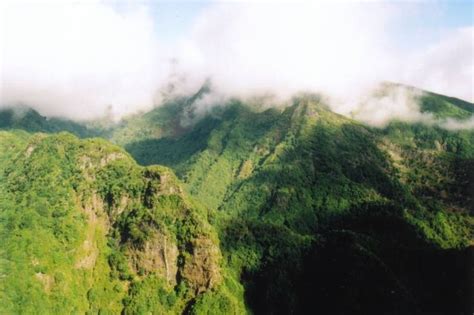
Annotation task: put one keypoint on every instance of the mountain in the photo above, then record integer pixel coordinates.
(440, 106)
(289, 209)
(85, 229)
(30, 120)
(295, 182)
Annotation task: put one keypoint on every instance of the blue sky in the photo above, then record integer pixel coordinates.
(425, 21)
(432, 20)
(174, 19)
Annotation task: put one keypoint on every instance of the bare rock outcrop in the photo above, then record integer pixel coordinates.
(159, 255)
(201, 265)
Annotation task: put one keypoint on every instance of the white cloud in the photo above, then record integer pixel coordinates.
(344, 50)
(289, 47)
(75, 59)
(396, 102)
(454, 124)
(446, 67)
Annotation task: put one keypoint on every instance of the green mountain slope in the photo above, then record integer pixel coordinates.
(440, 106)
(162, 121)
(284, 210)
(293, 182)
(30, 120)
(85, 229)
(444, 107)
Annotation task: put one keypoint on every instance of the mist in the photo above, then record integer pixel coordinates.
(77, 60)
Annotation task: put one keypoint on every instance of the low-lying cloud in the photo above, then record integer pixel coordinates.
(397, 103)
(401, 103)
(77, 59)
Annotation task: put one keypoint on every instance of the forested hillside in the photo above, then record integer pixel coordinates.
(294, 185)
(280, 210)
(85, 229)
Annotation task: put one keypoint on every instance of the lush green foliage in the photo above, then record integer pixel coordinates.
(42, 234)
(30, 120)
(286, 181)
(282, 210)
(78, 220)
(443, 107)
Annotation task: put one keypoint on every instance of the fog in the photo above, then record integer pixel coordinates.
(76, 59)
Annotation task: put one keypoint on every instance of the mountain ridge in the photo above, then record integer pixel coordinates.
(165, 115)
(271, 211)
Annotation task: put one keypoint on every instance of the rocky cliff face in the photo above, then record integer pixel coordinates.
(154, 225)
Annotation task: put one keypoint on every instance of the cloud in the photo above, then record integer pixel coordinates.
(289, 47)
(76, 59)
(454, 124)
(446, 67)
(341, 49)
(393, 103)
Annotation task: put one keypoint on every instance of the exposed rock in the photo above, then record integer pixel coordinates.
(96, 219)
(158, 255)
(29, 150)
(91, 252)
(159, 183)
(119, 207)
(201, 265)
(111, 157)
(46, 280)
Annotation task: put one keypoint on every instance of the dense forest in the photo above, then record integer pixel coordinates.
(242, 208)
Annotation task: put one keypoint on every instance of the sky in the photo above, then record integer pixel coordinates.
(77, 58)
(430, 19)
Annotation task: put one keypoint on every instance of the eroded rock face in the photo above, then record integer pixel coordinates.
(161, 182)
(111, 157)
(159, 255)
(195, 260)
(201, 265)
(97, 225)
(115, 209)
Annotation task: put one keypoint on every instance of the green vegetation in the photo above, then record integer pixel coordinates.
(85, 229)
(30, 120)
(444, 107)
(280, 210)
(285, 182)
